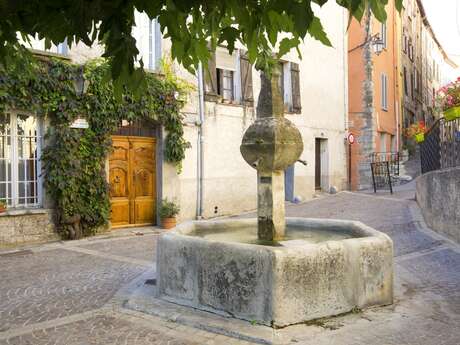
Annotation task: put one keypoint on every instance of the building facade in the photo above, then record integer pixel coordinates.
(215, 180)
(376, 130)
(408, 65)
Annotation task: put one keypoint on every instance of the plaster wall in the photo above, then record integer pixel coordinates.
(229, 183)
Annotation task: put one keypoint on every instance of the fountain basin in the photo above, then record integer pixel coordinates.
(202, 264)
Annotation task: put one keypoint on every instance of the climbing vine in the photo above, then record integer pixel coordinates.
(74, 159)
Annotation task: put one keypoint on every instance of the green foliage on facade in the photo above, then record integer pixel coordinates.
(74, 159)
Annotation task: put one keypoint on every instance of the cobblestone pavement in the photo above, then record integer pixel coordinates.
(67, 293)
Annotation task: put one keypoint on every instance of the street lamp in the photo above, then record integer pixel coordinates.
(79, 83)
(377, 44)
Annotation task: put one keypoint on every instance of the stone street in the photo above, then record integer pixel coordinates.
(68, 293)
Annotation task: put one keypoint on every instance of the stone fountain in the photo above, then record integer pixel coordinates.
(274, 270)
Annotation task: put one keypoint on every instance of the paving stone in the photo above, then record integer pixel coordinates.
(137, 247)
(51, 284)
(101, 330)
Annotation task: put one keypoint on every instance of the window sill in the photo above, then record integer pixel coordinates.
(23, 212)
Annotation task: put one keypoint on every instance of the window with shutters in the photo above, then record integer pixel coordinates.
(406, 91)
(20, 160)
(290, 87)
(384, 91)
(228, 78)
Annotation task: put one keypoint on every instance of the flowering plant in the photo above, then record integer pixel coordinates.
(448, 96)
(415, 129)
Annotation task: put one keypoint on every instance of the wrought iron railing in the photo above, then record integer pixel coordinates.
(441, 147)
(385, 169)
(392, 158)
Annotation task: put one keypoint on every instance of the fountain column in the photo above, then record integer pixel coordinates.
(270, 145)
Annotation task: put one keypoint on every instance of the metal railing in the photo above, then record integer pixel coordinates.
(392, 158)
(385, 169)
(441, 147)
(381, 176)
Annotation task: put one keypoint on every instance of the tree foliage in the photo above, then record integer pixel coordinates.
(190, 24)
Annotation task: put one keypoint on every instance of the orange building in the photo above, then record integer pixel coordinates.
(374, 117)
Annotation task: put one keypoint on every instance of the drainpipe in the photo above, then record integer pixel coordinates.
(200, 144)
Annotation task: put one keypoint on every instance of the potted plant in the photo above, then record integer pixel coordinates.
(168, 212)
(448, 100)
(3, 206)
(416, 131)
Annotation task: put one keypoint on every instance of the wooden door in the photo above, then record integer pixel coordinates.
(132, 181)
(317, 164)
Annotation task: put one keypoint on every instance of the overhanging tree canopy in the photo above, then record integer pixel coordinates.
(190, 24)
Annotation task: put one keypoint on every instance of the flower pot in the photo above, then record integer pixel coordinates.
(168, 223)
(452, 113)
(420, 137)
(2, 209)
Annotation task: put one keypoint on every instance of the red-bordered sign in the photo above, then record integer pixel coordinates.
(351, 138)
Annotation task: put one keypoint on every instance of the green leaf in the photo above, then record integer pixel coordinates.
(317, 32)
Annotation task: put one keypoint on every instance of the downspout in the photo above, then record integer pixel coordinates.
(396, 71)
(200, 144)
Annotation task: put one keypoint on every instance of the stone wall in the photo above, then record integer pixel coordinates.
(438, 194)
(26, 226)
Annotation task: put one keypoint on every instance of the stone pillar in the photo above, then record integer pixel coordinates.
(270, 206)
(270, 145)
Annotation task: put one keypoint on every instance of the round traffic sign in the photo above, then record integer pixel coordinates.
(351, 138)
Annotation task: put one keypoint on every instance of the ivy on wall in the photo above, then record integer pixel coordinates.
(74, 159)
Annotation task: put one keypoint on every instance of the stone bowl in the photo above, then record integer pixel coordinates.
(276, 285)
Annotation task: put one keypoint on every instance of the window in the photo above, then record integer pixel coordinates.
(384, 91)
(154, 44)
(19, 160)
(63, 48)
(383, 34)
(406, 92)
(226, 68)
(229, 77)
(290, 86)
(393, 143)
(225, 84)
(383, 142)
(147, 33)
(412, 86)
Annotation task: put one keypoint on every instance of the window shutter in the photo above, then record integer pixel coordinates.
(295, 84)
(247, 96)
(210, 79)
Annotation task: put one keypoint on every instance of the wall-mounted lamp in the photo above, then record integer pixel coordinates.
(80, 83)
(377, 44)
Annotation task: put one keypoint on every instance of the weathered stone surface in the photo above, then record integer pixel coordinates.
(270, 206)
(272, 142)
(276, 285)
(438, 195)
(26, 226)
